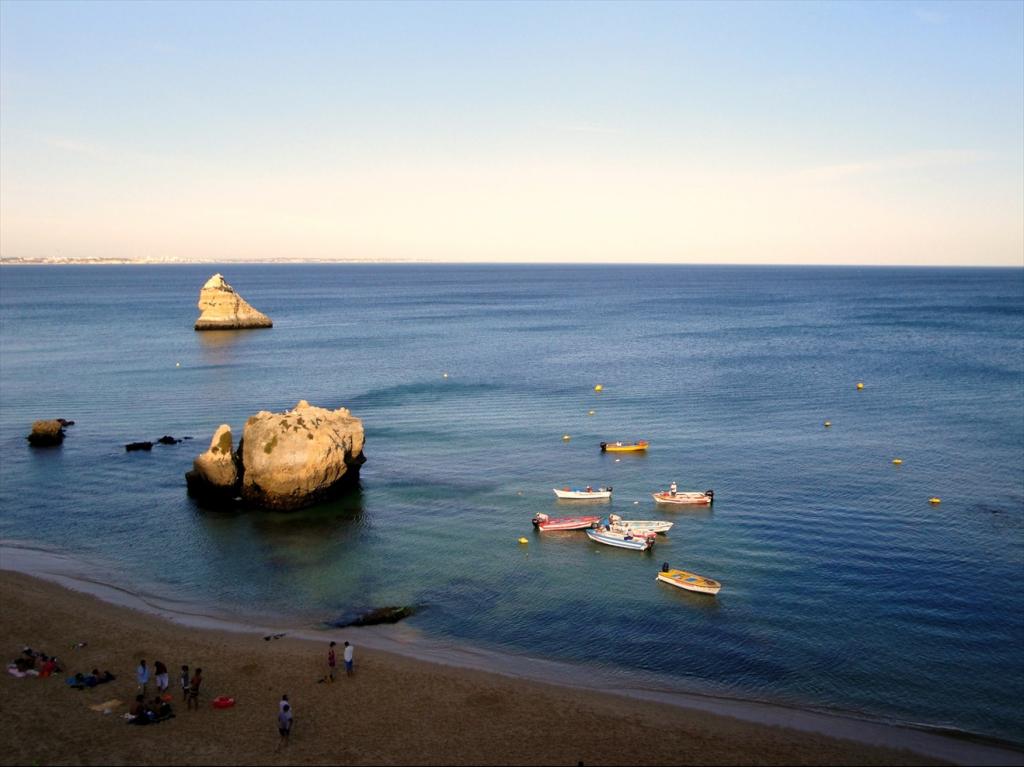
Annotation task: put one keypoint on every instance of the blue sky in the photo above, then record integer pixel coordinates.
(669, 132)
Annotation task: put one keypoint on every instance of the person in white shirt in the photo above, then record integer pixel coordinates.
(284, 724)
(348, 658)
(672, 488)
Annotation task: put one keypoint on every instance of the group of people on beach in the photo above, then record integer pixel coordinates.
(33, 663)
(160, 707)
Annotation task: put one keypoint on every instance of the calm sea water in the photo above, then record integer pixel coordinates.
(843, 587)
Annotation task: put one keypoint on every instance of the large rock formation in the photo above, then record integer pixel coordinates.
(223, 309)
(284, 460)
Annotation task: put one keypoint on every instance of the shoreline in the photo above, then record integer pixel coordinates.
(403, 645)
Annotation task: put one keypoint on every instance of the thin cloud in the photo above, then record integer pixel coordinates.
(910, 161)
(589, 128)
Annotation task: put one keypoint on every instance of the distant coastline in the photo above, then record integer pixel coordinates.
(13, 261)
(187, 262)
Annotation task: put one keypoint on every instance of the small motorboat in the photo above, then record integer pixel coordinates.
(687, 580)
(640, 541)
(583, 494)
(624, 447)
(639, 526)
(682, 499)
(544, 522)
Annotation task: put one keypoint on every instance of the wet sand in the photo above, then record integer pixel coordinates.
(393, 710)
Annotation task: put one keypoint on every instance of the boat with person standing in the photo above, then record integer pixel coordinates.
(670, 498)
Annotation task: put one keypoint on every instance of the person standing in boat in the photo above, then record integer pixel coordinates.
(672, 488)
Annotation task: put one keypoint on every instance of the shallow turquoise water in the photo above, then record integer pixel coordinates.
(843, 587)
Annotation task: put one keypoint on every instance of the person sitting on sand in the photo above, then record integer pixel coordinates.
(49, 666)
(138, 713)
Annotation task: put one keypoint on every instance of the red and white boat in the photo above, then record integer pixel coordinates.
(682, 499)
(544, 522)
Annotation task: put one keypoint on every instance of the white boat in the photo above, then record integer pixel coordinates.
(684, 499)
(690, 581)
(583, 494)
(639, 525)
(639, 541)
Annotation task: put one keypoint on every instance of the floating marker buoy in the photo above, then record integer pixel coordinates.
(897, 461)
(617, 460)
(444, 375)
(566, 437)
(828, 424)
(177, 364)
(860, 385)
(598, 388)
(590, 412)
(523, 540)
(934, 500)
(636, 503)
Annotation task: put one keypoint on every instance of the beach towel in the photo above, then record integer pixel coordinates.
(107, 706)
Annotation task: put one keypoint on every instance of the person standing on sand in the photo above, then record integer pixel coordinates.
(193, 689)
(184, 679)
(160, 671)
(348, 658)
(142, 676)
(331, 662)
(284, 724)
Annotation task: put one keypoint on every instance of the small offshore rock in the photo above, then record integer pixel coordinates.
(167, 440)
(65, 422)
(46, 433)
(133, 446)
(223, 309)
(216, 474)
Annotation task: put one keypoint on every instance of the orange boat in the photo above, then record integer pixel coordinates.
(624, 447)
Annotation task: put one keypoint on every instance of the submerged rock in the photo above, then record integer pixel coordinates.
(223, 309)
(284, 461)
(46, 433)
(168, 440)
(133, 446)
(376, 616)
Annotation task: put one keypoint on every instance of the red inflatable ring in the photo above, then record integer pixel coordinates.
(223, 702)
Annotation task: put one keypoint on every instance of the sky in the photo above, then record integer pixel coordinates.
(670, 132)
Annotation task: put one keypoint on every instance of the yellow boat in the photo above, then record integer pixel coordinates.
(624, 447)
(689, 581)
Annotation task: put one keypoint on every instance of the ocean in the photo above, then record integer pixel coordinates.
(844, 589)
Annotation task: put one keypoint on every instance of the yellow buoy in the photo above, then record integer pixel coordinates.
(523, 540)
(897, 461)
(590, 412)
(934, 500)
(598, 388)
(860, 385)
(566, 437)
(828, 424)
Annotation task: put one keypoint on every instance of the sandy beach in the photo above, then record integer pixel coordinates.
(393, 710)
